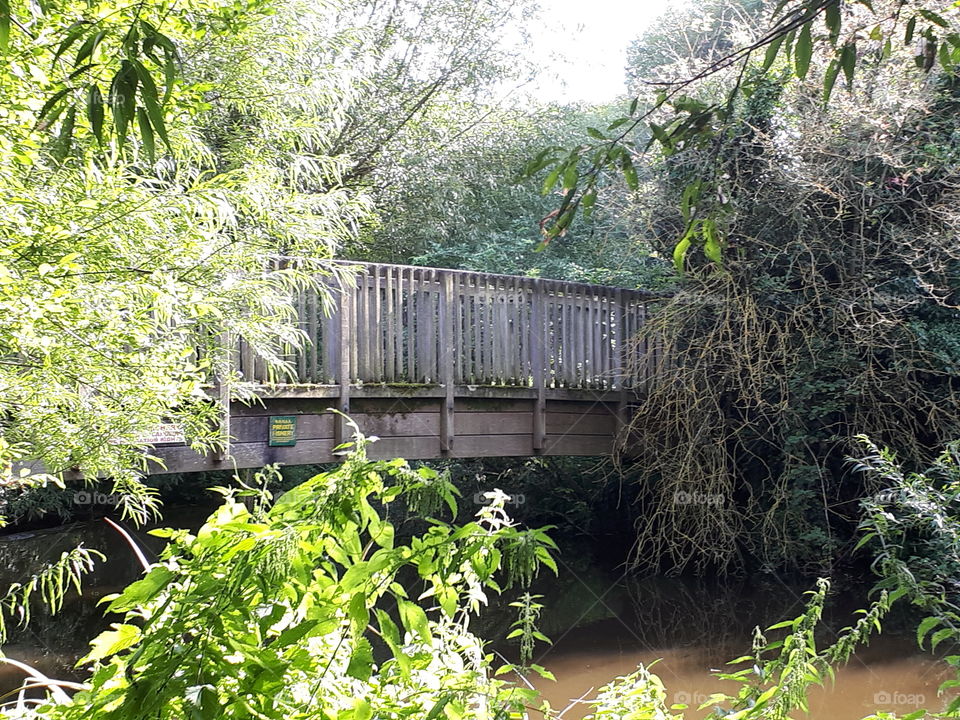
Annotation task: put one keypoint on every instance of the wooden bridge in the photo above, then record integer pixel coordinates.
(441, 363)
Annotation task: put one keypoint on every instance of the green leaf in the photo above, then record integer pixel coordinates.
(587, 203)
(122, 99)
(773, 49)
(945, 57)
(939, 636)
(75, 31)
(358, 613)
(156, 118)
(570, 176)
(933, 17)
(848, 61)
(146, 135)
(4, 25)
(61, 147)
(437, 708)
(803, 52)
(712, 247)
(680, 253)
(138, 593)
(361, 660)
(110, 642)
(362, 709)
(925, 626)
(629, 171)
(88, 47)
(414, 619)
(595, 134)
(908, 33)
(829, 80)
(833, 20)
(551, 180)
(95, 111)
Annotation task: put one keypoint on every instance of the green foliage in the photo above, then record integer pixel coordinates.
(52, 582)
(525, 626)
(123, 274)
(310, 607)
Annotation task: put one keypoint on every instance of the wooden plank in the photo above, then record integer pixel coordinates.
(538, 334)
(346, 356)
(422, 333)
(420, 424)
(244, 455)
(447, 349)
(183, 459)
(583, 445)
(312, 330)
(497, 423)
(569, 372)
(581, 424)
(362, 336)
(223, 388)
(310, 345)
(390, 356)
(596, 333)
(392, 406)
(411, 365)
(309, 427)
(466, 336)
(580, 407)
(373, 323)
(622, 360)
(468, 446)
(465, 405)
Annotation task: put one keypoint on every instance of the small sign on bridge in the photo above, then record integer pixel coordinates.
(283, 430)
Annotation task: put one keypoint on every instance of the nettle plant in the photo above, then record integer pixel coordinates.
(310, 607)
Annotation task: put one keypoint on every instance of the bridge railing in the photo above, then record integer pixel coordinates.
(399, 324)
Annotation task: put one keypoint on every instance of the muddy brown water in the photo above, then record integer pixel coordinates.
(603, 625)
(888, 675)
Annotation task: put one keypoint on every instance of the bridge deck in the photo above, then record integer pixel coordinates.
(441, 363)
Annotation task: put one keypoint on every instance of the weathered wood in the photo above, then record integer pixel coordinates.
(224, 391)
(463, 342)
(448, 342)
(538, 336)
(344, 374)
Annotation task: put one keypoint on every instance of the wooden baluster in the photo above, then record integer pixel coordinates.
(347, 346)
(467, 335)
(505, 344)
(538, 361)
(596, 333)
(623, 350)
(411, 340)
(447, 338)
(390, 357)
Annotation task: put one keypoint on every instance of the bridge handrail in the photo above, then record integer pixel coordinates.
(414, 325)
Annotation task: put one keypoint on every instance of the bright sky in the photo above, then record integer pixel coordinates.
(583, 43)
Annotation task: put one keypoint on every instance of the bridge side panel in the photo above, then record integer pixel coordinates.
(406, 427)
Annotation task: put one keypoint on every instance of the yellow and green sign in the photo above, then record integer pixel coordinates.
(283, 430)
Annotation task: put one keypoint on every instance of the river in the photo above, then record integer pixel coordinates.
(603, 624)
